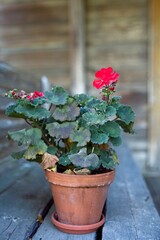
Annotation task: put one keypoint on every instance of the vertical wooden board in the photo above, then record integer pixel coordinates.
(117, 36)
(153, 164)
(130, 212)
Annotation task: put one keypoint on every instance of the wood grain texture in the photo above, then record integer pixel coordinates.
(130, 210)
(48, 231)
(117, 36)
(20, 200)
(35, 37)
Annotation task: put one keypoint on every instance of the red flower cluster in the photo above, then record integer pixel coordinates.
(23, 95)
(35, 94)
(105, 77)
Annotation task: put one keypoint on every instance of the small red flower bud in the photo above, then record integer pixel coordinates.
(111, 88)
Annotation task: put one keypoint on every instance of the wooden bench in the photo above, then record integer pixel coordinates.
(26, 203)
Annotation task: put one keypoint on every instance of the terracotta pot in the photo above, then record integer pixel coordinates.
(79, 199)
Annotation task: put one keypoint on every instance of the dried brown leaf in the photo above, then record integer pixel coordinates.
(49, 161)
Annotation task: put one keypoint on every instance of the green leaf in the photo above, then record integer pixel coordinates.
(81, 98)
(111, 128)
(82, 136)
(106, 160)
(26, 137)
(10, 111)
(58, 96)
(116, 141)
(93, 118)
(116, 98)
(82, 160)
(19, 136)
(36, 101)
(32, 151)
(128, 128)
(64, 160)
(115, 157)
(126, 114)
(93, 102)
(115, 102)
(61, 130)
(67, 112)
(110, 111)
(52, 150)
(32, 112)
(98, 137)
(18, 155)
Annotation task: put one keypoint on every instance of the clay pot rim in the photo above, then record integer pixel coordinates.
(76, 227)
(81, 176)
(68, 180)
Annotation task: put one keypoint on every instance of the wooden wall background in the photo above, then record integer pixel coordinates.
(35, 36)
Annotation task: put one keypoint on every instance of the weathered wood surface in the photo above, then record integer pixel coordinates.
(130, 212)
(48, 231)
(34, 36)
(24, 194)
(153, 184)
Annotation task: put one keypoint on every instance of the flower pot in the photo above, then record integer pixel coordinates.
(79, 199)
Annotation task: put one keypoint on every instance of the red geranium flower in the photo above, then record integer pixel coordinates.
(105, 77)
(35, 94)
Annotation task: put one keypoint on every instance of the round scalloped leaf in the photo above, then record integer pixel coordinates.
(83, 160)
(58, 96)
(64, 160)
(97, 104)
(126, 127)
(36, 101)
(67, 112)
(126, 114)
(61, 130)
(107, 161)
(52, 150)
(110, 111)
(26, 137)
(111, 128)
(10, 111)
(32, 112)
(116, 141)
(93, 118)
(81, 98)
(82, 136)
(99, 138)
(32, 151)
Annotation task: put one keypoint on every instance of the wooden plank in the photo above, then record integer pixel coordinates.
(48, 231)
(153, 185)
(24, 194)
(130, 210)
(109, 22)
(78, 58)
(153, 166)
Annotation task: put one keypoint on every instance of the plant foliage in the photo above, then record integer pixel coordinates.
(80, 130)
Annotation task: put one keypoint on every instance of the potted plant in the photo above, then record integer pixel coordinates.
(74, 141)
